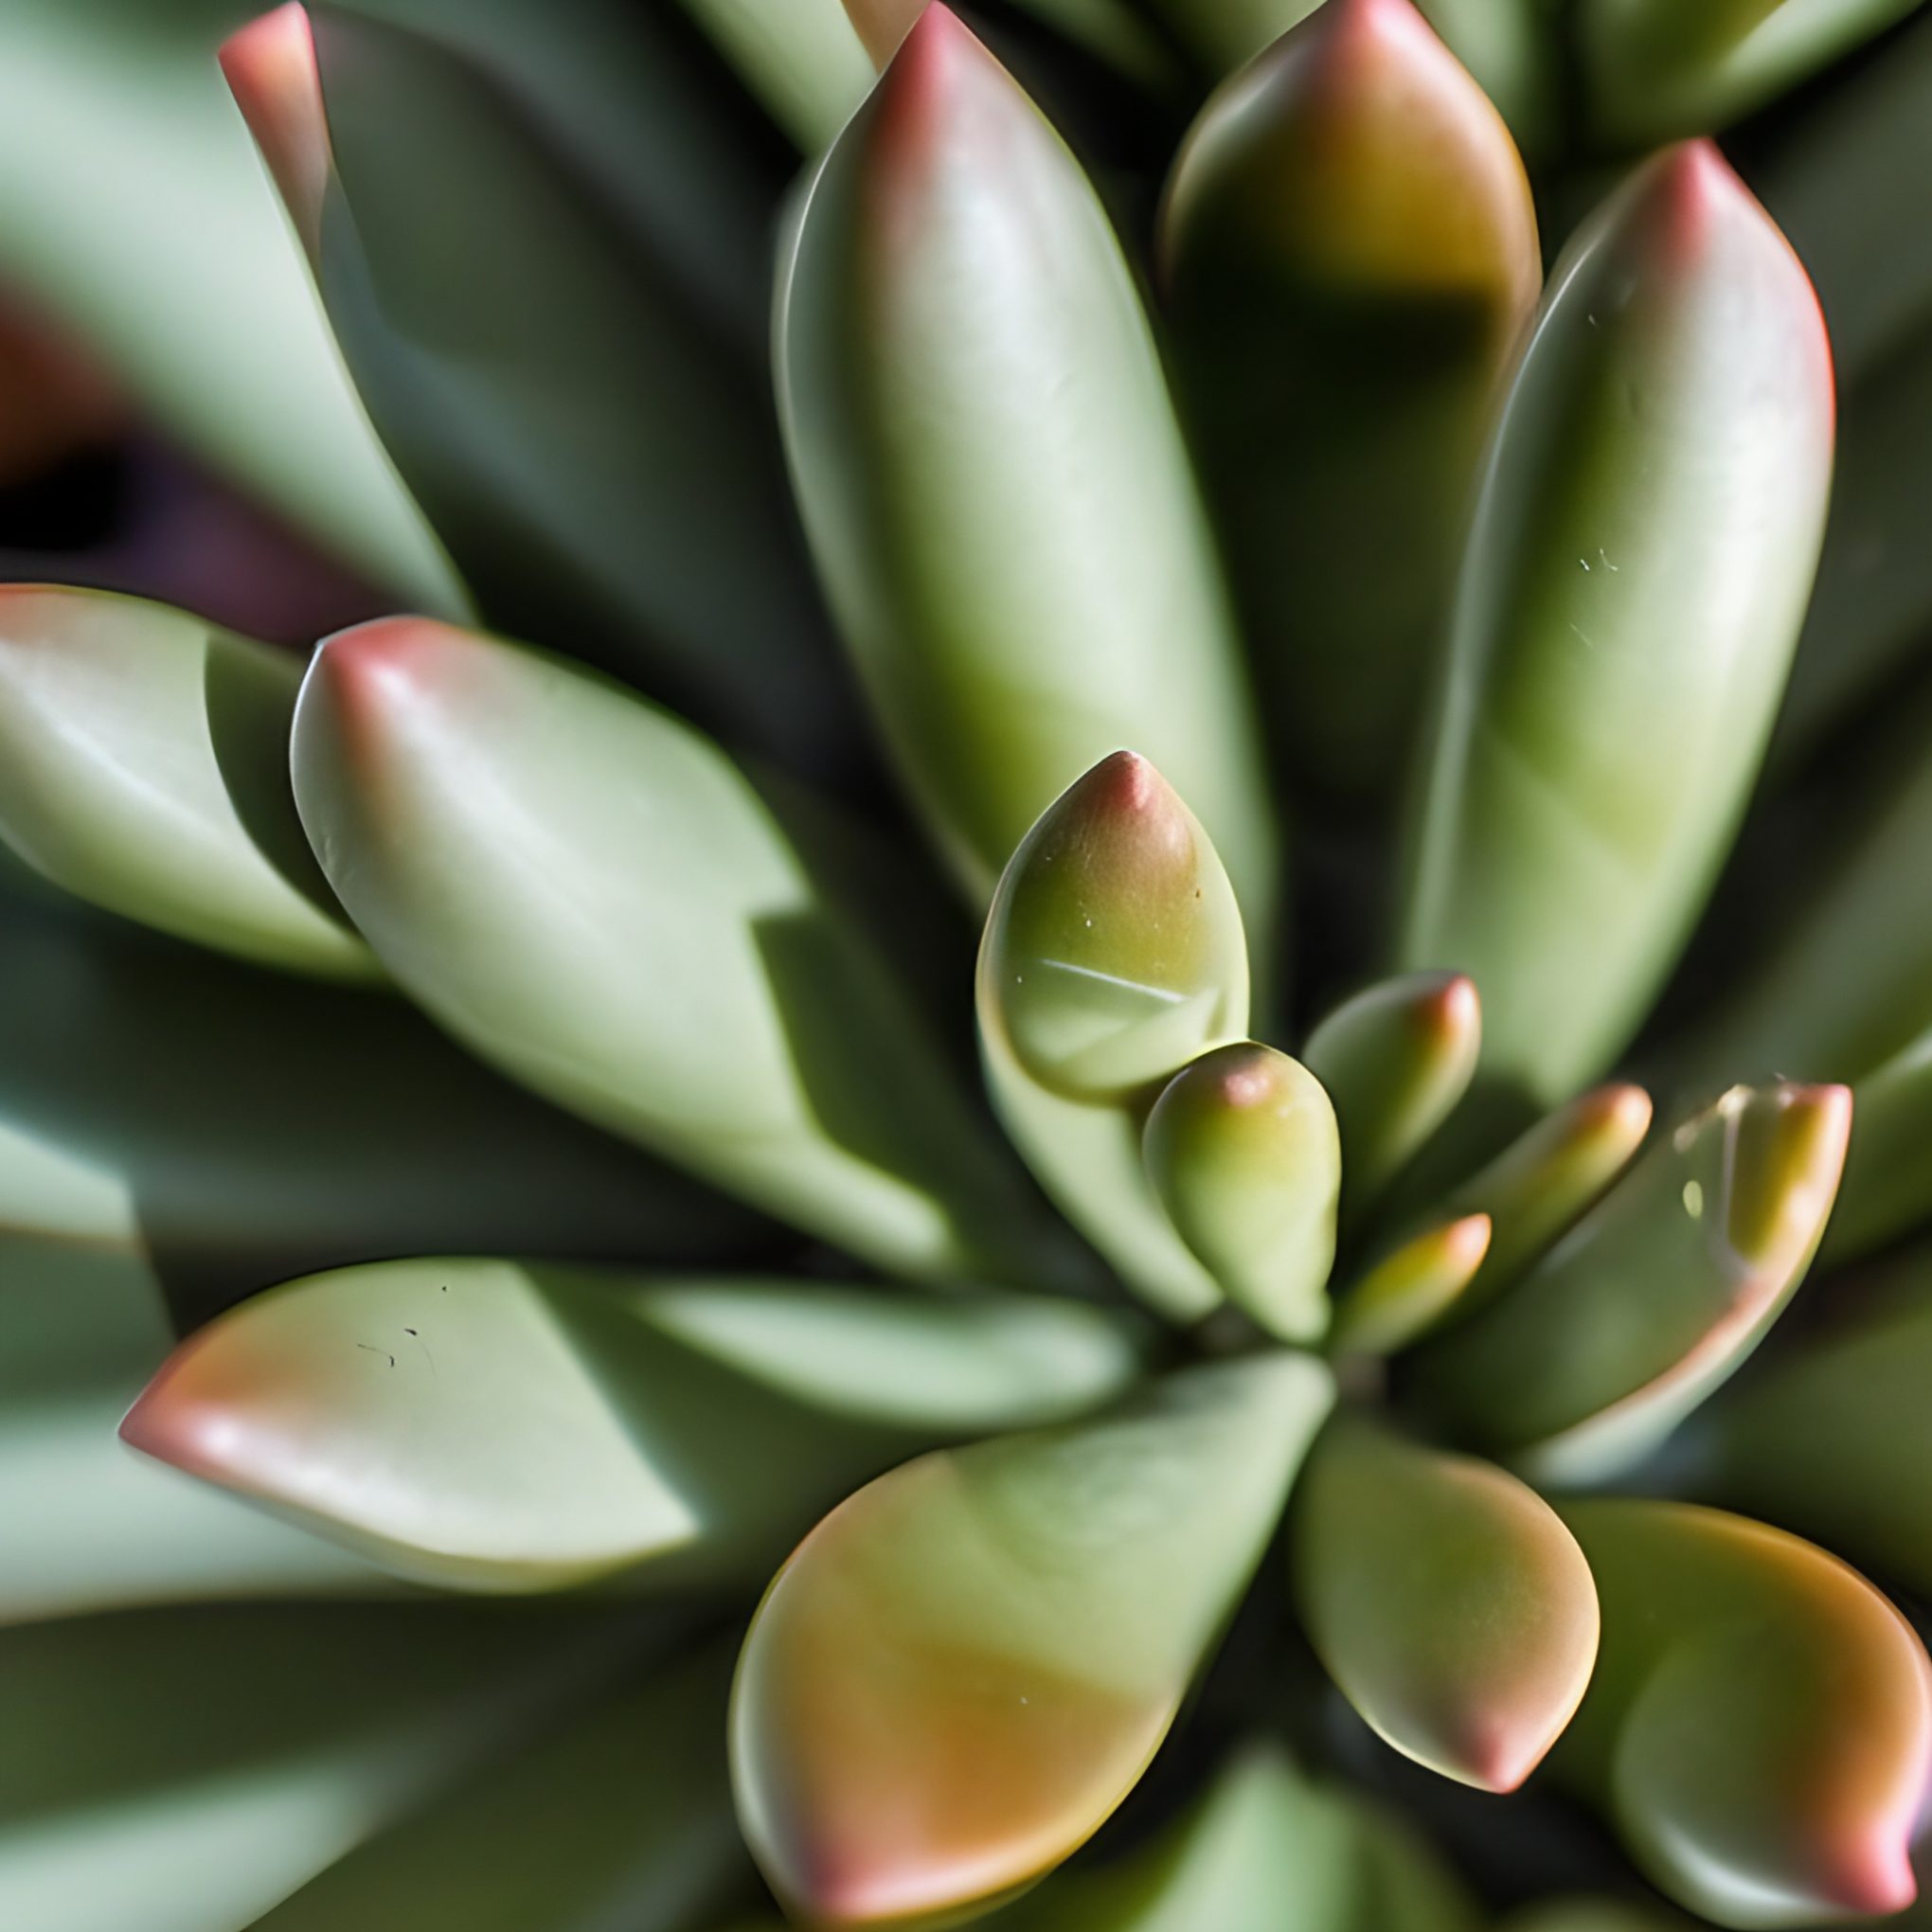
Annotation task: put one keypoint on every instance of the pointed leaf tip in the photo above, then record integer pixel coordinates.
(271, 69)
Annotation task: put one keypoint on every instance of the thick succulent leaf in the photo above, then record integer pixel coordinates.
(1835, 1439)
(133, 211)
(144, 766)
(182, 1770)
(966, 1667)
(1643, 545)
(1264, 1850)
(1112, 955)
(1447, 1599)
(992, 476)
(804, 60)
(624, 1808)
(576, 420)
(1395, 1058)
(1543, 1182)
(1760, 1724)
(1412, 1290)
(1655, 69)
(1350, 253)
(1655, 1297)
(506, 1426)
(588, 894)
(1243, 1153)
(1888, 1184)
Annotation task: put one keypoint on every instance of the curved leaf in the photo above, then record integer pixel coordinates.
(804, 60)
(965, 1668)
(1412, 1289)
(1643, 545)
(1888, 1184)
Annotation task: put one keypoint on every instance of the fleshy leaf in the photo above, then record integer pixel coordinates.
(966, 1667)
(1395, 1058)
(993, 477)
(1242, 1151)
(1656, 69)
(514, 1426)
(1888, 1185)
(1412, 1289)
(1760, 1724)
(569, 403)
(1350, 254)
(1447, 1599)
(1112, 955)
(144, 766)
(588, 894)
(1646, 530)
(1264, 1850)
(804, 60)
(1655, 1295)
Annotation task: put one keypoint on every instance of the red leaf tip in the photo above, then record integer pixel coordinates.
(271, 69)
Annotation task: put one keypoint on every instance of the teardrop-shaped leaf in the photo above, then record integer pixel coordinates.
(1655, 1295)
(592, 897)
(966, 1667)
(1350, 253)
(1112, 955)
(1644, 540)
(1447, 1599)
(1242, 1151)
(1395, 1058)
(1760, 1724)
(992, 476)
(804, 60)
(512, 1426)
(1834, 1440)
(579, 421)
(1264, 1850)
(1412, 1290)
(1656, 69)
(144, 766)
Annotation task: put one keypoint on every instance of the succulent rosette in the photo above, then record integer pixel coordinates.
(1134, 855)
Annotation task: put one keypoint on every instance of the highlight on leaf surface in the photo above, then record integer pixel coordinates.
(967, 1666)
(1349, 253)
(593, 898)
(1655, 1295)
(1646, 529)
(1447, 1599)
(1760, 1725)
(992, 476)
(1412, 1289)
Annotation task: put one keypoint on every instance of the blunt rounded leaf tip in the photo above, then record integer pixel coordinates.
(1413, 1288)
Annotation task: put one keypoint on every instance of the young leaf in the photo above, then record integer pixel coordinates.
(1412, 1289)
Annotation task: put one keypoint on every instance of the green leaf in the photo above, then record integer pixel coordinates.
(992, 476)
(590, 896)
(1446, 1598)
(144, 767)
(501, 1425)
(1112, 955)
(566, 401)
(1655, 1295)
(1395, 1058)
(1888, 1184)
(802, 61)
(1412, 1290)
(1760, 1724)
(1643, 547)
(1224, 34)
(1655, 69)
(1350, 254)
(1242, 1151)
(1264, 1850)
(964, 1670)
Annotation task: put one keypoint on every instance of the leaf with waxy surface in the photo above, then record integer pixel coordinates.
(1395, 1058)
(514, 1426)
(561, 380)
(1112, 955)
(1447, 1599)
(1633, 583)
(1760, 1724)
(1412, 1289)
(966, 1667)
(588, 894)
(992, 476)
(144, 767)
(1655, 1297)
(1242, 1151)
(1350, 253)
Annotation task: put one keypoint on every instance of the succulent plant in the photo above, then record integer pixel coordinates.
(492, 1172)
